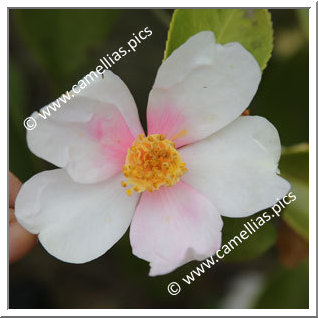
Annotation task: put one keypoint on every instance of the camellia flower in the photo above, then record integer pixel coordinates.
(200, 160)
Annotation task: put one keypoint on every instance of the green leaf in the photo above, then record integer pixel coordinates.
(286, 288)
(294, 167)
(255, 245)
(63, 40)
(251, 28)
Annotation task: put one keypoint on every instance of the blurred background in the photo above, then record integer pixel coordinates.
(50, 50)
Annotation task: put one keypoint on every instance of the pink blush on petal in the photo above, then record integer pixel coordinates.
(112, 135)
(164, 120)
(174, 225)
(169, 121)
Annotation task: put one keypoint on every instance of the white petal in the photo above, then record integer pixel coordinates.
(200, 88)
(90, 134)
(76, 222)
(173, 226)
(236, 168)
(110, 89)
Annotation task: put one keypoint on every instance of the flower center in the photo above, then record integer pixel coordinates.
(152, 162)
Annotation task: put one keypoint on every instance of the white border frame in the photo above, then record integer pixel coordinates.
(312, 163)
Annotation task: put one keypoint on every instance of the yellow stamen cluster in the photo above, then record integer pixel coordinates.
(152, 162)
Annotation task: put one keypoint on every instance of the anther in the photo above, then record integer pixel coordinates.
(152, 162)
